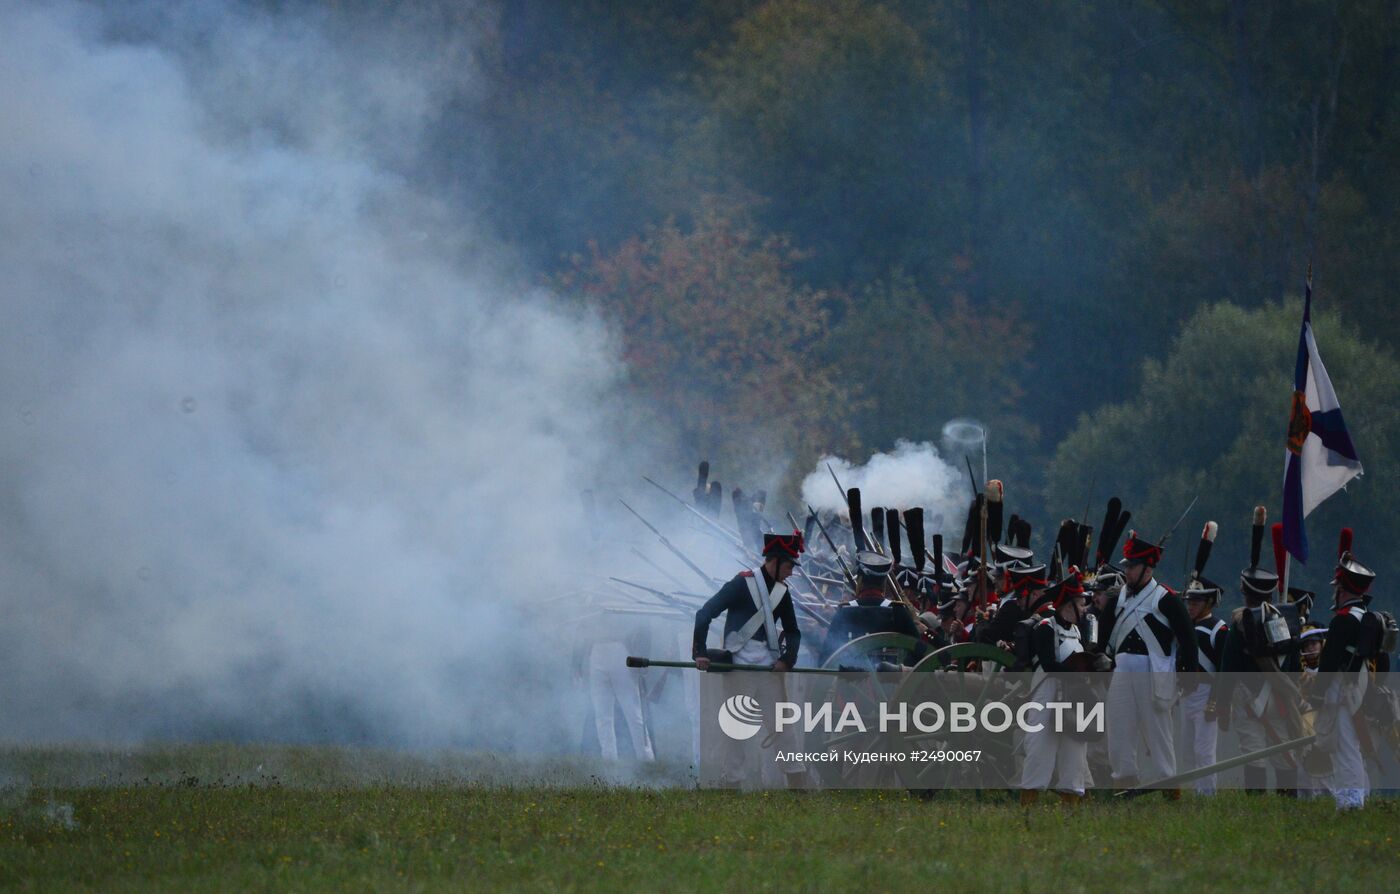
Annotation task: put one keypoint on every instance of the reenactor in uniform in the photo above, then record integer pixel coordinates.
(614, 689)
(1345, 655)
(1200, 733)
(870, 612)
(1150, 636)
(1261, 711)
(1051, 757)
(1311, 641)
(1103, 592)
(956, 620)
(1025, 585)
(755, 603)
(1310, 645)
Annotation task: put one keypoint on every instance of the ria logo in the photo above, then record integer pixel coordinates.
(740, 717)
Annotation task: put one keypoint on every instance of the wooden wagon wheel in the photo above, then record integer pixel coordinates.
(954, 682)
(864, 687)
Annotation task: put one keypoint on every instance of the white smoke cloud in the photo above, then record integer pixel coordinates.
(914, 474)
(285, 456)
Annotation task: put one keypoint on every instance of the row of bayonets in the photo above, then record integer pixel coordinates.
(984, 526)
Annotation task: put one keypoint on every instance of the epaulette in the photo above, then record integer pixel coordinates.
(746, 574)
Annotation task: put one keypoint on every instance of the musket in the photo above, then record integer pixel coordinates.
(984, 578)
(717, 666)
(655, 592)
(1227, 764)
(662, 571)
(803, 571)
(709, 581)
(741, 553)
(850, 578)
(658, 612)
(732, 535)
(837, 480)
(1088, 505)
(1163, 542)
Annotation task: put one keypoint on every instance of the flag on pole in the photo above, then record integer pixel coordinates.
(1321, 458)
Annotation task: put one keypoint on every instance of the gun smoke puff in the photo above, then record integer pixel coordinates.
(283, 459)
(913, 474)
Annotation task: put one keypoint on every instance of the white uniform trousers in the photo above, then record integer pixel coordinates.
(1251, 730)
(611, 682)
(1200, 736)
(1348, 783)
(1052, 758)
(1133, 714)
(752, 764)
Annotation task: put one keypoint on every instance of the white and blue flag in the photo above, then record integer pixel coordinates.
(1321, 458)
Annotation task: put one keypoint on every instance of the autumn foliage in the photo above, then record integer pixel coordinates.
(715, 329)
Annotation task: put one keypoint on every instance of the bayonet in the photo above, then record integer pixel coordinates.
(709, 581)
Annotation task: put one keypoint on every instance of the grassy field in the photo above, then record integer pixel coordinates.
(337, 820)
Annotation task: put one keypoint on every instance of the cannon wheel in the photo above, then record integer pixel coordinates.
(948, 657)
(858, 650)
(996, 764)
(867, 690)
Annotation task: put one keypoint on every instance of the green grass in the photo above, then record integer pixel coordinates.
(330, 833)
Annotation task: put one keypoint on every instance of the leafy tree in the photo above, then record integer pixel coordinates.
(922, 361)
(714, 329)
(1209, 421)
(818, 106)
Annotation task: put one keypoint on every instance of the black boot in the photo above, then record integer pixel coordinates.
(1256, 780)
(1286, 781)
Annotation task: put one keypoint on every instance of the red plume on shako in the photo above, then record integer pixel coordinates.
(1354, 577)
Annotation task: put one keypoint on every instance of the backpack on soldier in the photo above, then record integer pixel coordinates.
(1379, 634)
(1021, 647)
(1266, 631)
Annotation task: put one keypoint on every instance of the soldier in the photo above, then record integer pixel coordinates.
(1310, 645)
(1258, 638)
(1103, 594)
(1200, 733)
(1055, 757)
(907, 579)
(1150, 637)
(614, 689)
(955, 621)
(1312, 773)
(1025, 593)
(1345, 655)
(755, 602)
(870, 612)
